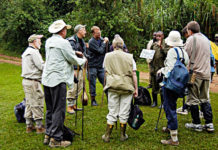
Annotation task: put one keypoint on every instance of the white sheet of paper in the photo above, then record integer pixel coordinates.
(147, 53)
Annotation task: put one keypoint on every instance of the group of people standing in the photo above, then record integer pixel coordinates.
(65, 60)
(196, 55)
(115, 68)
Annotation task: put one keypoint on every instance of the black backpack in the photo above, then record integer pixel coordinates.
(19, 110)
(135, 117)
(144, 97)
(68, 134)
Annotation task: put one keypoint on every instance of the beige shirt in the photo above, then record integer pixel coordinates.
(202, 58)
(32, 64)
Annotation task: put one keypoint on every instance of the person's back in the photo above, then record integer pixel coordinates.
(202, 55)
(119, 68)
(200, 78)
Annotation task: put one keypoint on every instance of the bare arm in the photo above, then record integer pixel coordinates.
(135, 94)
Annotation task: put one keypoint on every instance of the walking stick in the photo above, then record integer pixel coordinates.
(77, 93)
(161, 106)
(102, 97)
(84, 98)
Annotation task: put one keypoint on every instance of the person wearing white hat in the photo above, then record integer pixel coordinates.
(32, 66)
(170, 97)
(58, 71)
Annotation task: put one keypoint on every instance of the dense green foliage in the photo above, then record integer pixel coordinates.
(14, 137)
(134, 20)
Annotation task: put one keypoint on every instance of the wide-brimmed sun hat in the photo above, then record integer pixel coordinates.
(58, 26)
(174, 39)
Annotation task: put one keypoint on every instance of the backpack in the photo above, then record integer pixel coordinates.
(19, 110)
(135, 117)
(68, 134)
(178, 77)
(143, 97)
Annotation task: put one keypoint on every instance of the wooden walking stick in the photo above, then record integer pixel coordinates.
(77, 88)
(102, 97)
(84, 98)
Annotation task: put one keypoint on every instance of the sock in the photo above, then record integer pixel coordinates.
(39, 123)
(173, 134)
(29, 122)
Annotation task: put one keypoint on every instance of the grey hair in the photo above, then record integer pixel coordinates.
(118, 43)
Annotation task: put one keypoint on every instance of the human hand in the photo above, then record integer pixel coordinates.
(79, 54)
(106, 39)
(159, 72)
(87, 45)
(135, 94)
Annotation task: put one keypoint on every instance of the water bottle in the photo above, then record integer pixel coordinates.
(135, 121)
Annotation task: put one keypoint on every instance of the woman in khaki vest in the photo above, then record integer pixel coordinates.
(121, 83)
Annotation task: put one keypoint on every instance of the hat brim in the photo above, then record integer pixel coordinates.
(51, 29)
(170, 43)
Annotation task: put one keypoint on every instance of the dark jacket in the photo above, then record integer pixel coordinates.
(74, 42)
(96, 52)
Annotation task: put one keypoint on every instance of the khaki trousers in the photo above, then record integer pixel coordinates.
(119, 106)
(198, 92)
(34, 99)
(71, 93)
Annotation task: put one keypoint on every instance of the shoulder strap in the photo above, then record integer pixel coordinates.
(183, 57)
(178, 58)
(193, 53)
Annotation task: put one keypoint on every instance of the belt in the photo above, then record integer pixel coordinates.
(32, 79)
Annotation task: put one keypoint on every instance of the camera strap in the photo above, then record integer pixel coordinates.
(193, 54)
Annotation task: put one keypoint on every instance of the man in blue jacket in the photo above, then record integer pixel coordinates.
(96, 52)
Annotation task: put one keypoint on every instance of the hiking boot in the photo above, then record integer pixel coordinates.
(94, 103)
(70, 110)
(123, 135)
(170, 142)
(106, 136)
(76, 108)
(181, 111)
(54, 143)
(30, 129)
(40, 130)
(209, 127)
(46, 140)
(196, 127)
(166, 130)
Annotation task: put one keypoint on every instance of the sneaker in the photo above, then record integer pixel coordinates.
(181, 111)
(209, 127)
(30, 129)
(94, 103)
(170, 142)
(196, 127)
(54, 143)
(166, 130)
(46, 140)
(70, 110)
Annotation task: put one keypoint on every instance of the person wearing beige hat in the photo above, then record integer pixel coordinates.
(79, 45)
(169, 97)
(58, 72)
(32, 66)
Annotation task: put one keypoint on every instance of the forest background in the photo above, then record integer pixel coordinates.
(134, 20)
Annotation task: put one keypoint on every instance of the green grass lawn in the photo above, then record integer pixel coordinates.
(13, 135)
